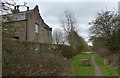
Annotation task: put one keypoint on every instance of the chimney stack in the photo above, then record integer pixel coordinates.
(17, 7)
(14, 7)
(27, 8)
(17, 10)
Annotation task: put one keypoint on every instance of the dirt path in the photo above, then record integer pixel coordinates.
(96, 67)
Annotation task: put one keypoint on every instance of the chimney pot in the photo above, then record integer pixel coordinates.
(14, 7)
(27, 8)
(17, 7)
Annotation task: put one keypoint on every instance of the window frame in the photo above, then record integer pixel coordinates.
(36, 28)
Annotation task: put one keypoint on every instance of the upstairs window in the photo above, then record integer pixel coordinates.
(36, 28)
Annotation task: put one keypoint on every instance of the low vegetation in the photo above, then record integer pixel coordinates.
(22, 60)
(81, 70)
(63, 50)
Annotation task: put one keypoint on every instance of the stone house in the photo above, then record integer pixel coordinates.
(27, 25)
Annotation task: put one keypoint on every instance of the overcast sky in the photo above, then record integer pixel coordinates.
(84, 11)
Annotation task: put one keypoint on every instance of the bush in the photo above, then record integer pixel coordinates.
(66, 51)
(114, 60)
(20, 59)
(103, 52)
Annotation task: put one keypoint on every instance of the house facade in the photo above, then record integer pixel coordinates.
(27, 25)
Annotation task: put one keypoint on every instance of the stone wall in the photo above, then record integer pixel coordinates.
(44, 35)
(16, 28)
(24, 46)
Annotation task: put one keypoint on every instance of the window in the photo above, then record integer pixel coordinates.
(42, 28)
(36, 28)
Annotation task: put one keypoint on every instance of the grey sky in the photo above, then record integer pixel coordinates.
(84, 11)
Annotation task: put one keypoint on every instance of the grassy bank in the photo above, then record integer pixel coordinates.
(79, 70)
(106, 69)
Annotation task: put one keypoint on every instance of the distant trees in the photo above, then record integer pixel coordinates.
(70, 24)
(78, 43)
(58, 37)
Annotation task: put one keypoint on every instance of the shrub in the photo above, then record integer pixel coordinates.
(66, 51)
(114, 60)
(20, 59)
(103, 52)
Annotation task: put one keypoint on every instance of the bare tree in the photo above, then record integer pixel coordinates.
(69, 22)
(7, 7)
(58, 37)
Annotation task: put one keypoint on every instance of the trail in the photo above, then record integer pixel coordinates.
(96, 68)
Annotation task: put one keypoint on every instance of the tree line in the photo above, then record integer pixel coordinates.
(105, 35)
(69, 23)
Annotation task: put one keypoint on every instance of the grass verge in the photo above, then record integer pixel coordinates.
(79, 70)
(106, 69)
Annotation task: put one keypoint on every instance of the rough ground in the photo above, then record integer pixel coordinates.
(96, 67)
